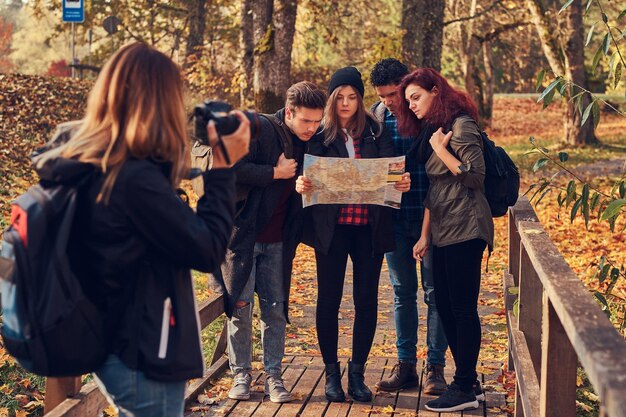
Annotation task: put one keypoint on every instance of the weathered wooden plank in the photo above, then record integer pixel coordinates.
(522, 211)
(257, 394)
(304, 388)
(527, 382)
(210, 310)
(88, 402)
(220, 347)
(514, 245)
(340, 409)
(511, 320)
(378, 370)
(558, 367)
(449, 376)
(490, 381)
(198, 385)
(317, 404)
(424, 398)
(530, 306)
(374, 371)
(59, 389)
(519, 407)
(408, 400)
(600, 349)
(291, 374)
(246, 408)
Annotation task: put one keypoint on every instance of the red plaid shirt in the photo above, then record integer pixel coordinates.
(354, 214)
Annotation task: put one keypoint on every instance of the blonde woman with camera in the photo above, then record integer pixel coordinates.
(134, 241)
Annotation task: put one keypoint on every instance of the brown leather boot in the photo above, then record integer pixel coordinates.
(403, 375)
(435, 383)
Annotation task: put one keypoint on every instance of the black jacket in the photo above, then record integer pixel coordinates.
(320, 219)
(134, 255)
(255, 174)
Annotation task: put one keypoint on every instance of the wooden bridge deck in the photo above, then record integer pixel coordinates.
(304, 377)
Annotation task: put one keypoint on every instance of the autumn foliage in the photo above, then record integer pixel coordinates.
(6, 35)
(59, 69)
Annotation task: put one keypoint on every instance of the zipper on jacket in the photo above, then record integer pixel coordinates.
(165, 327)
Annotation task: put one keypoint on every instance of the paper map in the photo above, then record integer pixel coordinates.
(353, 181)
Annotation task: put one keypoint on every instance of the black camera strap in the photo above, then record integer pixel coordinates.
(223, 150)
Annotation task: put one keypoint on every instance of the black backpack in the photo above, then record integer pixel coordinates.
(501, 178)
(50, 327)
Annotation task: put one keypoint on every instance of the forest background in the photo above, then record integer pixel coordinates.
(508, 54)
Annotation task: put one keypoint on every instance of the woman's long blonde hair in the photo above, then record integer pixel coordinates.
(135, 110)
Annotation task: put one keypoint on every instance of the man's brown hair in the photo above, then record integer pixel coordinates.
(305, 94)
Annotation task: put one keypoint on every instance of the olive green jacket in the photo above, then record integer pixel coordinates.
(458, 208)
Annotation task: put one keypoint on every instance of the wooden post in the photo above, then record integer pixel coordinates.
(58, 390)
(220, 347)
(519, 408)
(514, 247)
(530, 308)
(558, 367)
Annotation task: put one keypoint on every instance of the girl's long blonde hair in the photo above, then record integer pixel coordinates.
(135, 110)
(331, 125)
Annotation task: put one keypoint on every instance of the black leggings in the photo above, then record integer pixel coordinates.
(355, 241)
(457, 284)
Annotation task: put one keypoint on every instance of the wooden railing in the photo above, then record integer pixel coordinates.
(65, 397)
(559, 325)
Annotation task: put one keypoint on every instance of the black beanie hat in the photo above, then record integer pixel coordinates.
(346, 76)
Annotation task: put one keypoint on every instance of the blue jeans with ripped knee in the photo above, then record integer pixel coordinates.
(266, 280)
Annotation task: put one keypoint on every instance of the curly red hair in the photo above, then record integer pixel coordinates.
(448, 103)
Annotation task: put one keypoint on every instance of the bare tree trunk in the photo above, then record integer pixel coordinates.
(273, 30)
(422, 27)
(575, 134)
(197, 23)
(566, 56)
(413, 25)
(544, 21)
(433, 34)
(487, 107)
(246, 95)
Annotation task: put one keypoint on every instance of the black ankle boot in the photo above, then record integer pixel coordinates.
(333, 390)
(356, 385)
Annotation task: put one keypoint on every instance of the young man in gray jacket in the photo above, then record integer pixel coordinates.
(385, 77)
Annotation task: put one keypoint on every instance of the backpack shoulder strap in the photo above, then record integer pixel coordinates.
(283, 132)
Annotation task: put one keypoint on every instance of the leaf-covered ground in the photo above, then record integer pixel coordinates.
(30, 108)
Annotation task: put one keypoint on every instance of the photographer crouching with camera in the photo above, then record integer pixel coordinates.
(264, 240)
(134, 240)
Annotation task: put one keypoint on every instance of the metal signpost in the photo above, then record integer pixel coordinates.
(74, 12)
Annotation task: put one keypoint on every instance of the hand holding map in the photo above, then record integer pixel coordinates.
(352, 181)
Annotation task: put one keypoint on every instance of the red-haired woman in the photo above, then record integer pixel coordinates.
(457, 216)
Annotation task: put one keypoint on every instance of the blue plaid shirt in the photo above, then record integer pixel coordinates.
(412, 206)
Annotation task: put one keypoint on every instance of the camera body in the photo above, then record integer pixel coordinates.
(225, 123)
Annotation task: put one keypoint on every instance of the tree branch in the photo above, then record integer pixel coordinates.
(494, 33)
(482, 12)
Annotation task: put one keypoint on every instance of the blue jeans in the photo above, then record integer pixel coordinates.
(403, 276)
(134, 395)
(267, 280)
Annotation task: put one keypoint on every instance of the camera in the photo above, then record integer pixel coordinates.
(225, 123)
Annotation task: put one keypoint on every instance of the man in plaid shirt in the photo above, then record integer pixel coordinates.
(385, 77)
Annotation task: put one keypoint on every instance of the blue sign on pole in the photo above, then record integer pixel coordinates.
(74, 11)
